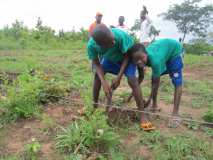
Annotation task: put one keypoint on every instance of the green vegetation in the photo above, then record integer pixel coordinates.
(31, 150)
(35, 76)
(18, 36)
(92, 132)
(178, 147)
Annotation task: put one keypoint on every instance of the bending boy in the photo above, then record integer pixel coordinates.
(108, 50)
(164, 57)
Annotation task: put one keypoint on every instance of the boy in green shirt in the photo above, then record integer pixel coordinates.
(164, 57)
(108, 49)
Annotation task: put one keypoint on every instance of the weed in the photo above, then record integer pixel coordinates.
(208, 116)
(22, 98)
(151, 139)
(193, 126)
(184, 147)
(86, 134)
(32, 150)
(208, 131)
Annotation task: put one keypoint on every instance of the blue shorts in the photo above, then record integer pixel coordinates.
(114, 68)
(174, 69)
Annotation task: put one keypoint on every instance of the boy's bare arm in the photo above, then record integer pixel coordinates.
(100, 72)
(116, 82)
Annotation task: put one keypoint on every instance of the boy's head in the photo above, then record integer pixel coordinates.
(121, 20)
(98, 17)
(138, 55)
(103, 36)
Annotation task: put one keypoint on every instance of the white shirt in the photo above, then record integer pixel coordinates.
(145, 30)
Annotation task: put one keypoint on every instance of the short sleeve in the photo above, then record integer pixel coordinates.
(156, 71)
(91, 51)
(126, 42)
(158, 68)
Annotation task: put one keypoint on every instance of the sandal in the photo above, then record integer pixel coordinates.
(174, 122)
(147, 126)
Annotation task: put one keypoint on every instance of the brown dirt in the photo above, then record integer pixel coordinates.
(199, 73)
(23, 131)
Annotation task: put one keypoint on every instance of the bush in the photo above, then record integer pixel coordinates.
(41, 37)
(25, 95)
(198, 47)
(22, 98)
(208, 116)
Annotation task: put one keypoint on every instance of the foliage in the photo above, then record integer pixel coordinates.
(208, 116)
(190, 18)
(18, 36)
(22, 98)
(198, 46)
(177, 147)
(31, 150)
(153, 31)
(25, 95)
(85, 134)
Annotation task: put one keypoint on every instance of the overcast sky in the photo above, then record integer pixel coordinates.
(67, 14)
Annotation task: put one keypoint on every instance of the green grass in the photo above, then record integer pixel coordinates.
(70, 70)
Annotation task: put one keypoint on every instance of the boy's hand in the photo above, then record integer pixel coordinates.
(107, 89)
(115, 83)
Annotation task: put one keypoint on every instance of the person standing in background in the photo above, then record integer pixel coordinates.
(146, 24)
(98, 20)
(121, 24)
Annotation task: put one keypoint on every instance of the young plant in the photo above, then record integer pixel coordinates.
(32, 150)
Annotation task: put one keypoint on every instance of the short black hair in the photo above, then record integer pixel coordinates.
(101, 31)
(137, 47)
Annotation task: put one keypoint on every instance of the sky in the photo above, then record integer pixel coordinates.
(67, 14)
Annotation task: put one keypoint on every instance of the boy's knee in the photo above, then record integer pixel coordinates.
(133, 82)
(96, 77)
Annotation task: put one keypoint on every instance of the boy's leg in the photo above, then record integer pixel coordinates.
(175, 74)
(136, 91)
(177, 98)
(130, 73)
(175, 67)
(96, 89)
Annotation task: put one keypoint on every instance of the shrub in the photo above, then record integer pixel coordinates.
(198, 47)
(22, 98)
(208, 116)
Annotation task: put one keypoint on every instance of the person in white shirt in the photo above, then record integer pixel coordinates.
(146, 24)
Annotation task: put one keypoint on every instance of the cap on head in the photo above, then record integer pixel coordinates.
(99, 14)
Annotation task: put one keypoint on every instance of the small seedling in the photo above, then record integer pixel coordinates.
(31, 150)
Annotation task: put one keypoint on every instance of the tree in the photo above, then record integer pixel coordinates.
(153, 31)
(190, 18)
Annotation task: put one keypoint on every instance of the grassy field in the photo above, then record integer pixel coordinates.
(37, 124)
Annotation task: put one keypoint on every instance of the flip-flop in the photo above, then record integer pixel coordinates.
(174, 122)
(147, 126)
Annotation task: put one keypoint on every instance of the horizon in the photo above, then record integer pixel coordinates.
(28, 12)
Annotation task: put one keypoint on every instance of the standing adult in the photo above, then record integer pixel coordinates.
(98, 19)
(121, 24)
(146, 24)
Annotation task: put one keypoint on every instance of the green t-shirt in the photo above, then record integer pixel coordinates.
(160, 52)
(123, 42)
